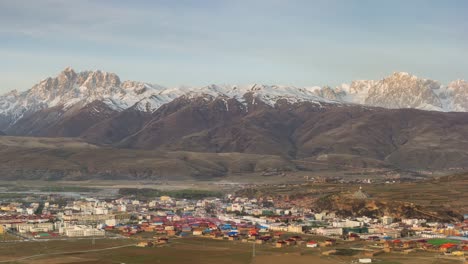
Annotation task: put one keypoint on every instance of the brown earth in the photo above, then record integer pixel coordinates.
(439, 199)
(300, 136)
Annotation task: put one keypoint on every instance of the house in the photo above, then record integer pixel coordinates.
(163, 240)
(330, 242)
(280, 244)
(144, 244)
(186, 228)
(354, 237)
(277, 235)
(447, 247)
(147, 228)
(290, 242)
(409, 244)
(169, 228)
(388, 244)
(109, 228)
(312, 244)
(397, 243)
(171, 232)
(260, 241)
(197, 232)
(296, 238)
(458, 253)
(253, 232)
(264, 238)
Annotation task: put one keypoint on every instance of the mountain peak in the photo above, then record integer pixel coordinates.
(398, 90)
(67, 74)
(13, 93)
(402, 75)
(98, 78)
(68, 69)
(459, 82)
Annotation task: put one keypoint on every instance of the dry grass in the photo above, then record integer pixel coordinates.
(63, 158)
(37, 142)
(193, 250)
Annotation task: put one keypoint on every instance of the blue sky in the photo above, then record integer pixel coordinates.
(198, 42)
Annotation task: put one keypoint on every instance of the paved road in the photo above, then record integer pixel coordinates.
(61, 253)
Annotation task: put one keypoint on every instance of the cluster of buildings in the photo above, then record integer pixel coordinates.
(231, 218)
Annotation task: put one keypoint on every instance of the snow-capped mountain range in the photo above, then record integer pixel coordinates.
(403, 90)
(69, 88)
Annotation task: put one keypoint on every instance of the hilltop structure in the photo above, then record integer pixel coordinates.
(360, 194)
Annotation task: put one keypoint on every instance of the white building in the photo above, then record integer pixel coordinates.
(413, 222)
(122, 208)
(82, 231)
(236, 207)
(329, 231)
(278, 227)
(100, 211)
(386, 220)
(347, 223)
(33, 227)
(432, 235)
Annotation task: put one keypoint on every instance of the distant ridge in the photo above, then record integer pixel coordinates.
(70, 88)
(366, 124)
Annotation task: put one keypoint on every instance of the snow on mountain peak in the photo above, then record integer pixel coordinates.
(399, 90)
(402, 74)
(70, 88)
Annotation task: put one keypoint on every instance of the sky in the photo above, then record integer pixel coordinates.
(200, 42)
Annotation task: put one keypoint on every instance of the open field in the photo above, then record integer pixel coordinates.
(35, 158)
(8, 237)
(441, 241)
(186, 250)
(69, 159)
(447, 193)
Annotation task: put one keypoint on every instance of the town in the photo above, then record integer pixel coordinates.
(155, 221)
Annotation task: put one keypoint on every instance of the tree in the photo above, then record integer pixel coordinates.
(39, 209)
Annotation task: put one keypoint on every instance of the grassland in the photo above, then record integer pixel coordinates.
(186, 250)
(441, 241)
(72, 159)
(8, 237)
(179, 194)
(58, 188)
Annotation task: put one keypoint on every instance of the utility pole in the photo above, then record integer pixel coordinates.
(253, 250)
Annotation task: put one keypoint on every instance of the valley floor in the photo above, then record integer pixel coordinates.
(187, 250)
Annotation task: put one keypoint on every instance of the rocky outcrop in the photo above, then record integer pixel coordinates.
(70, 88)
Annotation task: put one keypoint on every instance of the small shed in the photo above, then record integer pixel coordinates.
(312, 244)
